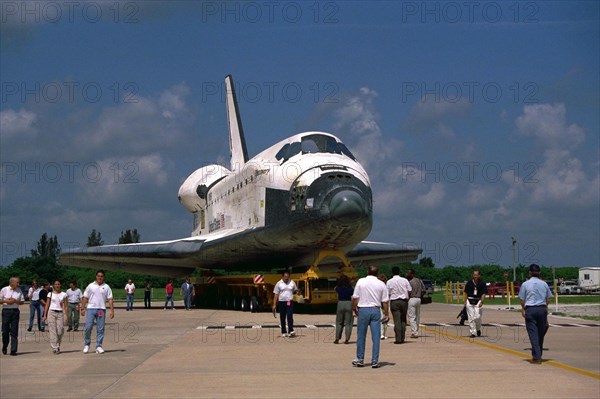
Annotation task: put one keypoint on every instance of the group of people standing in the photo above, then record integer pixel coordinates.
(372, 301)
(54, 309)
(187, 292)
(374, 297)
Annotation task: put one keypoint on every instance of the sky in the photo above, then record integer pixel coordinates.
(477, 121)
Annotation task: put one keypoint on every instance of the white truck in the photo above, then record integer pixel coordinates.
(569, 287)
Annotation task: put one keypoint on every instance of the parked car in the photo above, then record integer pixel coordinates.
(498, 289)
(569, 287)
(428, 286)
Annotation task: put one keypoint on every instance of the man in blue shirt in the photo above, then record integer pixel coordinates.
(535, 296)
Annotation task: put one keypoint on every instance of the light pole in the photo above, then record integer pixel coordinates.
(513, 252)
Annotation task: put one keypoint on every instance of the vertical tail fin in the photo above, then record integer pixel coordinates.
(237, 142)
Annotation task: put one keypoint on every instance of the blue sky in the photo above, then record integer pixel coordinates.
(476, 121)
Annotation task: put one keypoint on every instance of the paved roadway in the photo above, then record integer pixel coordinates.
(226, 354)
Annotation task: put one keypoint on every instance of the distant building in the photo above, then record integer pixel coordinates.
(589, 278)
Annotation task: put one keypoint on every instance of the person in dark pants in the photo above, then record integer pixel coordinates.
(399, 292)
(10, 298)
(535, 296)
(147, 295)
(284, 294)
(43, 298)
(187, 292)
(344, 320)
(35, 305)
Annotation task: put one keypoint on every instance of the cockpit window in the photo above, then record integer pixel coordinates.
(312, 144)
(346, 151)
(320, 143)
(288, 151)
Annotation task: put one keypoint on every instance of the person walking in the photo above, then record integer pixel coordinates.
(370, 294)
(474, 293)
(169, 293)
(414, 302)
(129, 292)
(384, 322)
(283, 299)
(43, 297)
(187, 291)
(344, 319)
(55, 316)
(399, 291)
(73, 306)
(535, 296)
(148, 295)
(10, 298)
(93, 308)
(35, 306)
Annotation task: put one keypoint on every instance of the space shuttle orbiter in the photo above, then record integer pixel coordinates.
(279, 209)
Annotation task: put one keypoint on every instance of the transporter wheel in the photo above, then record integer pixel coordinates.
(254, 305)
(245, 306)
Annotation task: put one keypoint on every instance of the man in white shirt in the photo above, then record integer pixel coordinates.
(187, 292)
(284, 294)
(399, 290)
(370, 294)
(129, 292)
(10, 298)
(93, 308)
(73, 301)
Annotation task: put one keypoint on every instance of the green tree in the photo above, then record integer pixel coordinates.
(95, 239)
(41, 268)
(426, 262)
(129, 236)
(46, 247)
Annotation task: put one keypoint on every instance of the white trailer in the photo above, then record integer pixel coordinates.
(589, 278)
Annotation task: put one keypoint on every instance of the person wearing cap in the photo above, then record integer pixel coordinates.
(535, 296)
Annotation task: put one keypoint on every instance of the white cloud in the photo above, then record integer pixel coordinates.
(357, 118)
(172, 101)
(120, 182)
(548, 124)
(143, 125)
(16, 123)
(560, 178)
(433, 198)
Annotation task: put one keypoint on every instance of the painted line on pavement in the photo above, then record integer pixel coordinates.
(516, 353)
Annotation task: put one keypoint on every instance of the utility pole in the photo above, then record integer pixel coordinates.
(514, 242)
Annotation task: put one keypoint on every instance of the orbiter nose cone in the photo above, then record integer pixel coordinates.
(347, 206)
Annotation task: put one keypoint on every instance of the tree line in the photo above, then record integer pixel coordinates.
(43, 266)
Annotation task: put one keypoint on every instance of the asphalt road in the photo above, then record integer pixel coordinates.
(226, 354)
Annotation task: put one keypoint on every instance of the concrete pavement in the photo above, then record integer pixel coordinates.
(228, 354)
